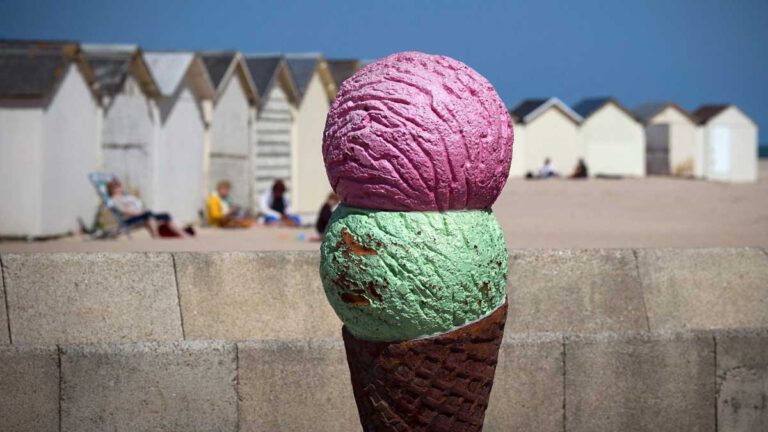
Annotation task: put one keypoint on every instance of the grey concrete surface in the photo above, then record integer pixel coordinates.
(640, 383)
(574, 291)
(84, 298)
(5, 335)
(295, 386)
(527, 391)
(705, 288)
(188, 386)
(29, 389)
(261, 295)
(742, 381)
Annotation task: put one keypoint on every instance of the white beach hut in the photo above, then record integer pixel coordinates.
(614, 141)
(545, 128)
(275, 121)
(183, 145)
(233, 127)
(128, 96)
(672, 140)
(316, 89)
(729, 140)
(49, 138)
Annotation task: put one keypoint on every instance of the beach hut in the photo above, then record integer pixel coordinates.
(545, 128)
(316, 89)
(341, 69)
(128, 96)
(183, 145)
(275, 121)
(614, 141)
(49, 138)
(672, 142)
(729, 139)
(233, 127)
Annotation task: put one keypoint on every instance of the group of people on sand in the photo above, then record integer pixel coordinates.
(548, 170)
(274, 207)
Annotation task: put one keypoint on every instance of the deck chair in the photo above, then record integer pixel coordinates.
(100, 180)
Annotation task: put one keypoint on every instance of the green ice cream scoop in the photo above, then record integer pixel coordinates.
(404, 275)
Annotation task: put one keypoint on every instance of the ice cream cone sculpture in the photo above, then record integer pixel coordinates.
(414, 263)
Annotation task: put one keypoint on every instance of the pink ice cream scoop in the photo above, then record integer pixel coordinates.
(417, 132)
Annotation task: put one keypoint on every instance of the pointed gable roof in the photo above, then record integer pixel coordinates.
(586, 107)
(33, 69)
(268, 70)
(529, 109)
(170, 68)
(218, 64)
(303, 67)
(705, 113)
(112, 64)
(645, 112)
(341, 69)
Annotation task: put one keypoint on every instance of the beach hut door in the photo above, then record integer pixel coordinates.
(657, 149)
(720, 151)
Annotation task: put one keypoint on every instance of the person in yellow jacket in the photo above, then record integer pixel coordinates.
(222, 213)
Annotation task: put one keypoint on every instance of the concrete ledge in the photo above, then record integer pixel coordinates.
(640, 383)
(742, 381)
(705, 288)
(29, 389)
(5, 332)
(84, 298)
(187, 386)
(295, 386)
(575, 291)
(260, 295)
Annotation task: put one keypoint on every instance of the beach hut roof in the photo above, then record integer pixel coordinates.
(529, 109)
(705, 113)
(586, 107)
(303, 68)
(170, 68)
(268, 70)
(341, 69)
(648, 110)
(112, 64)
(33, 69)
(222, 64)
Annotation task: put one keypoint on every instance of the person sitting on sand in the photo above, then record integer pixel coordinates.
(276, 206)
(132, 209)
(548, 169)
(580, 172)
(222, 213)
(324, 217)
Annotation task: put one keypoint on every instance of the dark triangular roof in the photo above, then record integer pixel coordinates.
(31, 69)
(646, 111)
(111, 65)
(341, 69)
(587, 107)
(263, 72)
(302, 68)
(217, 64)
(705, 113)
(526, 107)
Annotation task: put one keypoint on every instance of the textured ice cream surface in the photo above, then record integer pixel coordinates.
(403, 275)
(418, 132)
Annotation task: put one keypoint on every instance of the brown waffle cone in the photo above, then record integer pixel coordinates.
(440, 383)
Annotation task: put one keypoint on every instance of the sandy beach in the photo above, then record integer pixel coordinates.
(595, 213)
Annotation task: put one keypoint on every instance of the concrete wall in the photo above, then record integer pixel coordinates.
(70, 151)
(552, 135)
(614, 143)
(21, 164)
(743, 146)
(128, 139)
(310, 183)
(688, 381)
(275, 129)
(231, 141)
(181, 154)
(84, 298)
(684, 145)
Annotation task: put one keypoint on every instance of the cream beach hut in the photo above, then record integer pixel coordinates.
(128, 96)
(233, 138)
(545, 128)
(49, 138)
(729, 139)
(316, 89)
(614, 141)
(275, 121)
(672, 143)
(183, 145)
(341, 69)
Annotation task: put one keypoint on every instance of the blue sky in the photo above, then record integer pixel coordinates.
(689, 51)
